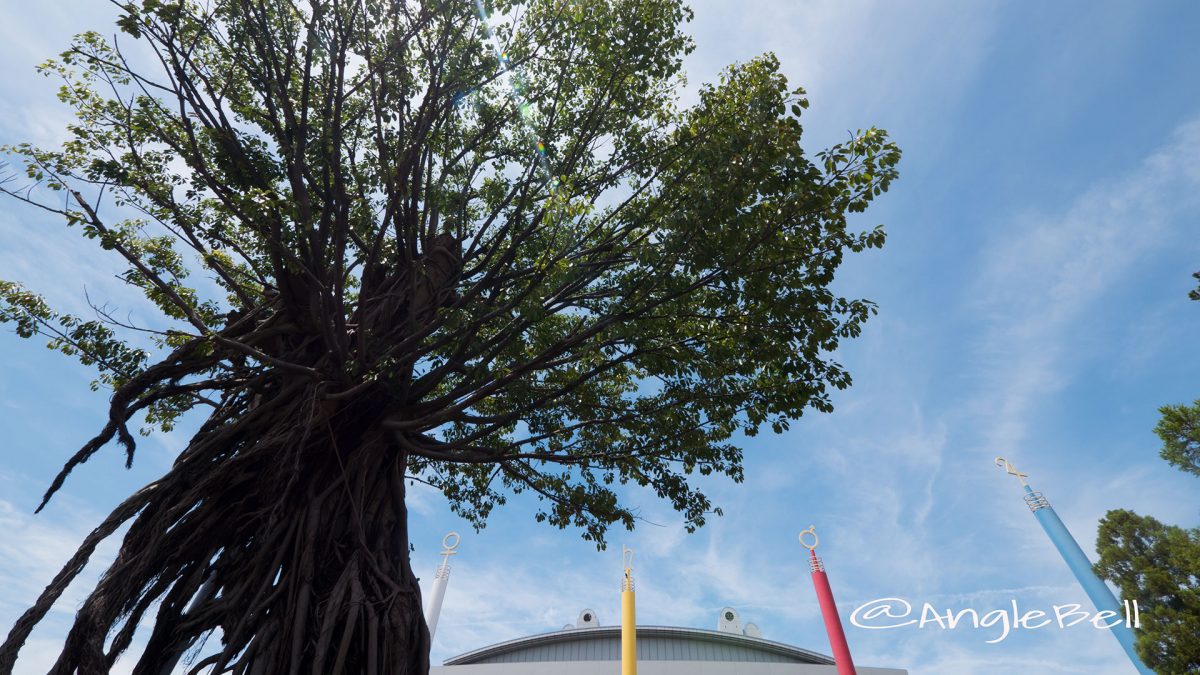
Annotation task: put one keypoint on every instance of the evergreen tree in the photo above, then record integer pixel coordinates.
(1157, 564)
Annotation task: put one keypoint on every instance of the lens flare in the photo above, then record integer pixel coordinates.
(516, 88)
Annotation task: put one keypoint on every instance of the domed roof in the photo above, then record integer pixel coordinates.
(654, 643)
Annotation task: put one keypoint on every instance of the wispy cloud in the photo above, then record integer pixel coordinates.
(1038, 300)
(1043, 277)
(32, 551)
(863, 62)
(898, 480)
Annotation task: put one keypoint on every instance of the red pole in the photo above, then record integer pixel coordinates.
(833, 623)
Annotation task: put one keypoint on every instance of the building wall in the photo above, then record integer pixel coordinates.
(651, 668)
(649, 648)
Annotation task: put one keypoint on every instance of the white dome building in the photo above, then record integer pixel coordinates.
(592, 649)
(588, 648)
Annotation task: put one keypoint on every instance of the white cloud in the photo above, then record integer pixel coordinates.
(32, 551)
(1038, 298)
(863, 62)
(1042, 276)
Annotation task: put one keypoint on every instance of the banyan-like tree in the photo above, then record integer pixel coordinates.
(479, 245)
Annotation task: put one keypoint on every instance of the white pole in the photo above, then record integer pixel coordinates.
(206, 592)
(439, 582)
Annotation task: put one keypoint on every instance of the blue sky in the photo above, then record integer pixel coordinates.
(1032, 305)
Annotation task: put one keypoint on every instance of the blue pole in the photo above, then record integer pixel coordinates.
(1081, 567)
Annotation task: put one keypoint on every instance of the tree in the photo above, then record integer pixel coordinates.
(1159, 564)
(1179, 429)
(490, 252)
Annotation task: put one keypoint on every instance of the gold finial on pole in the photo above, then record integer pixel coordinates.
(627, 558)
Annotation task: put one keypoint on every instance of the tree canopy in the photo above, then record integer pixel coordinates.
(1179, 429)
(1159, 564)
(479, 245)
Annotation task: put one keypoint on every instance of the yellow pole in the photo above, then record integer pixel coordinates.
(628, 618)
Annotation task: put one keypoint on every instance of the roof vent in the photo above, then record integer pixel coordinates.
(752, 630)
(729, 621)
(587, 619)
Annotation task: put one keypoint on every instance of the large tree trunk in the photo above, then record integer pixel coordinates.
(285, 528)
(282, 525)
